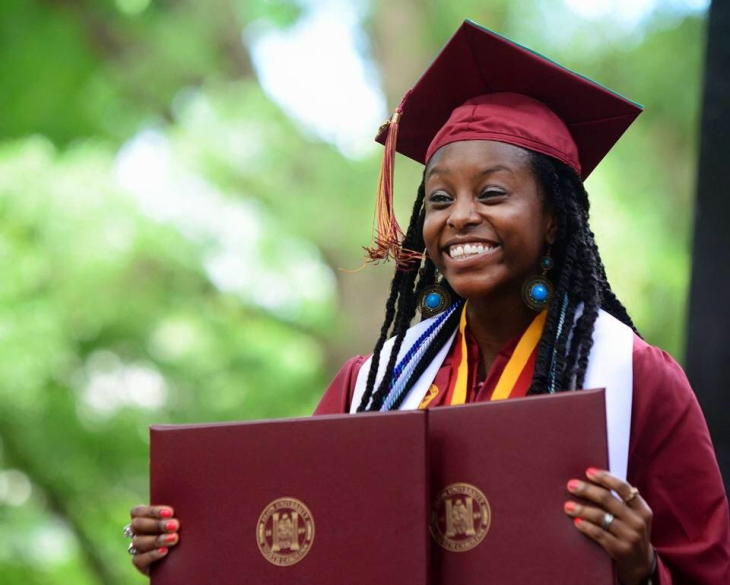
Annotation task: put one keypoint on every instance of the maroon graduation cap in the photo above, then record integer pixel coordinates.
(482, 86)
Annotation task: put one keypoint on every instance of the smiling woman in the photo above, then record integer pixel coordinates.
(499, 240)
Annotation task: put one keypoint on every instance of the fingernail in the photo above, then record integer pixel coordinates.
(170, 538)
(577, 521)
(592, 472)
(162, 551)
(569, 506)
(573, 485)
(171, 526)
(165, 513)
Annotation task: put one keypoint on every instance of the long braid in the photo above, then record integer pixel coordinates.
(564, 251)
(387, 322)
(611, 304)
(581, 278)
(444, 334)
(574, 283)
(426, 276)
(588, 286)
(583, 332)
(406, 309)
(401, 283)
(615, 307)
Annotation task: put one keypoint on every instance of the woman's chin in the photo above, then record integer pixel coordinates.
(472, 290)
(481, 288)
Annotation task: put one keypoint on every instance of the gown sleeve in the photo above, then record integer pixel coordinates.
(337, 398)
(672, 463)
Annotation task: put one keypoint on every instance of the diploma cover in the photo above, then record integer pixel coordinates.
(498, 483)
(329, 500)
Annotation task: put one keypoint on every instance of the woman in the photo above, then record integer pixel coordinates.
(518, 303)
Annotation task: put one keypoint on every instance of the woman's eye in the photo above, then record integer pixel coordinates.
(491, 193)
(439, 197)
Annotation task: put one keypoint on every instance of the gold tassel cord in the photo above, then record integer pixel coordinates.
(388, 235)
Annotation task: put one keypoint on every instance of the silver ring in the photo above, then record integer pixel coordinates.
(128, 532)
(607, 520)
(132, 550)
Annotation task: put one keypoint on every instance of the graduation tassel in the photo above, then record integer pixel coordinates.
(387, 233)
(388, 236)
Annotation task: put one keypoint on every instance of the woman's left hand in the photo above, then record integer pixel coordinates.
(626, 537)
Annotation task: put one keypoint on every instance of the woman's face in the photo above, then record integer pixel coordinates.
(486, 225)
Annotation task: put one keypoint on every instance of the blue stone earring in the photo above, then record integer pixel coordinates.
(538, 291)
(433, 299)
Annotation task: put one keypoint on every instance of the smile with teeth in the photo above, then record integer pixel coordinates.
(468, 250)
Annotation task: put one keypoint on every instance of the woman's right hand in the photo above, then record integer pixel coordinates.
(155, 531)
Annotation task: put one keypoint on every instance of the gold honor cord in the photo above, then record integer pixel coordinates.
(462, 374)
(520, 357)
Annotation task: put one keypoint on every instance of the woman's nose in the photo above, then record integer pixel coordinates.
(463, 214)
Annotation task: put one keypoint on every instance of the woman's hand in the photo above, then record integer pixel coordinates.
(626, 537)
(155, 531)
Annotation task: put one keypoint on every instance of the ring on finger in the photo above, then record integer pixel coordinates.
(633, 492)
(128, 532)
(607, 520)
(132, 550)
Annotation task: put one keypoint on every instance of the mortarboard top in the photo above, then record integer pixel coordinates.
(477, 61)
(482, 86)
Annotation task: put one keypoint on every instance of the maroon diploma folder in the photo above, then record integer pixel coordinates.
(498, 483)
(331, 500)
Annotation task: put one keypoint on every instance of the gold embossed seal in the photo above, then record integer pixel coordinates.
(285, 531)
(460, 517)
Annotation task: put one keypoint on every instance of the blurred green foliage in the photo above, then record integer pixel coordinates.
(126, 301)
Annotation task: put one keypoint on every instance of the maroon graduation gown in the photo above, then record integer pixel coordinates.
(671, 459)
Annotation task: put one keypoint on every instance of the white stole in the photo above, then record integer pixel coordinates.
(610, 366)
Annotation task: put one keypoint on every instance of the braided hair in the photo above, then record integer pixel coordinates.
(580, 290)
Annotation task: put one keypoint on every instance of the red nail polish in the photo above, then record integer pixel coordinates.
(171, 526)
(569, 506)
(591, 472)
(573, 485)
(578, 521)
(170, 538)
(165, 513)
(162, 551)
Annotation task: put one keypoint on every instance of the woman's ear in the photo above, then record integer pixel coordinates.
(551, 227)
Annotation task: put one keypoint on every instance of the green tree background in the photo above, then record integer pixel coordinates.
(209, 286)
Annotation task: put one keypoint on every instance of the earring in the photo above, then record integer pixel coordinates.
(538, 291)
(433, 299)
